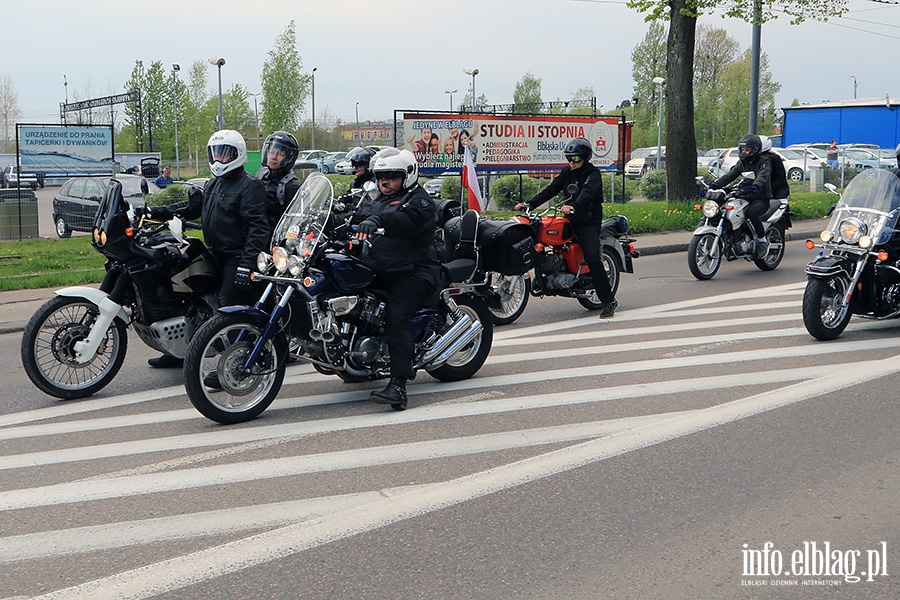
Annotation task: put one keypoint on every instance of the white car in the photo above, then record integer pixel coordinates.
(795, 166)
(343, 167)
(11, 177)
(637, 166)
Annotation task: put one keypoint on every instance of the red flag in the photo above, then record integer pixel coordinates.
(470, 182)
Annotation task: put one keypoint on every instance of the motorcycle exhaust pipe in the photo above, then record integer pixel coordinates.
(458, 329)
(463, 340)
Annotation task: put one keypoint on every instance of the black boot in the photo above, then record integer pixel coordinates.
(394, 394)
(166, 361)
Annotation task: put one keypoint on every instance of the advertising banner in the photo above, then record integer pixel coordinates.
(66, 150)
(498, 142)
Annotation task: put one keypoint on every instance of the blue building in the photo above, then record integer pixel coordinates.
(862, 121)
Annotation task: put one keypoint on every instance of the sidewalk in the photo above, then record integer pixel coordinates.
(16, 307)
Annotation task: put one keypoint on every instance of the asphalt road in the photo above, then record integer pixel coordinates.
(651, 456)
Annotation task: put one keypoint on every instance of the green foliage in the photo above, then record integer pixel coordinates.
(451, 187)
(653, 184)
(527, 94)
(833, 176)
(520, 187)
(284, 85)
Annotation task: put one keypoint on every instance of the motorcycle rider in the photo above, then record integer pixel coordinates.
(780, 188)
(235, 225)
(758, 192)
(584, 210)
(360, 159)
(405, 258)
(279, 153)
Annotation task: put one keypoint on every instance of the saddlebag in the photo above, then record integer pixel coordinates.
(505, 247)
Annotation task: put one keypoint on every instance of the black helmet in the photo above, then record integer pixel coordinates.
(579, 147)
(284, 141)
(360, 157)
(749, 147)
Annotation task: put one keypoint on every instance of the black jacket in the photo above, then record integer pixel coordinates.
(281, 187)
(409, 244)
(359, 181)
(780, 187)
(233, 208)
(762, 177)
(587, 201)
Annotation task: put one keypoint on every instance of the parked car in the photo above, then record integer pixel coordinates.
(795, 166)
(888, 158)
(330, 160)
(859, 158)
(639, 163)
(311, 156)
(13, 178)
(343, 167)
(76, 202)
(710, 158)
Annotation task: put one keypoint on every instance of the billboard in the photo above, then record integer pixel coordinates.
(66, 150)
(505, 142)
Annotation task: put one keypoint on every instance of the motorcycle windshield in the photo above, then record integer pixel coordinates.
(306, 217)
(873, 197)
(112, 203)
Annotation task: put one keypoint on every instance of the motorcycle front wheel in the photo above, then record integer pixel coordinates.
(48, 349)
(513, 292)
(824, 313)
(213, 369)
(704, 256)
(775, 252)
(468, 359)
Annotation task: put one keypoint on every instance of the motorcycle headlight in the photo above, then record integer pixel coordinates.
(280, 259)
(710, 208)
(826, 236)
(295, 267)
(866, 241)
(851, 230)
(263, 262)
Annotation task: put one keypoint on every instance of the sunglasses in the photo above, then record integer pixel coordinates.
(574, 159)
(380, 176)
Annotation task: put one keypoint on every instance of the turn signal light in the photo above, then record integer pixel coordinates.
(539, 247)
(697, 207)
(129, 232)
(729, 207)
(882, 255)
(810, 244)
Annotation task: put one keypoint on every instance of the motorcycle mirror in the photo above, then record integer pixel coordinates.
(699, 178)
(177, 229)
(572, 189)
(145, 189)
(831, 188)
(505, 191)
(369, 186)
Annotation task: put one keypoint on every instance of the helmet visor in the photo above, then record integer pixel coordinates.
(221, 153)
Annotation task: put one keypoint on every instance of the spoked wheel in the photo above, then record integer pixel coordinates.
(775, 252)
(824, 312)
(468, 359)
(214, 375)
(48, 349)
(704, 256)
(513, 291)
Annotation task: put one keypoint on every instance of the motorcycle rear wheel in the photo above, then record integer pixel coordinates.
(217, 352)
(513, 291)
(471, 357)
(824, 313)
(775, 252)
(48, 349)
(704, 256)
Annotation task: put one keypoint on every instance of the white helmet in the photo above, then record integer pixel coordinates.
(401, 162)
(226, 151)
(766, 143)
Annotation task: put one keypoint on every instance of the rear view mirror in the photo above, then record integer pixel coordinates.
(145, 189)
(572, 189)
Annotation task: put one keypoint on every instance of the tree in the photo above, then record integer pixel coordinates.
(682, 14)
(284, 85)
(465, 105)
(648, 60)
(715, 50)
(9, 111)
(527, 95)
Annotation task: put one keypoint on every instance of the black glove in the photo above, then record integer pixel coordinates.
(369, 226)
(749, 190)
(195, 194)
(242, 277)
(703, 193)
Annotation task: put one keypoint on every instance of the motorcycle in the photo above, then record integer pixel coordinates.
(725, 231)
(319, 299)
(158, 281)
(559, 266)
(857, 270)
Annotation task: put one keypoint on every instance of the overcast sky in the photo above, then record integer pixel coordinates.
(404, 54)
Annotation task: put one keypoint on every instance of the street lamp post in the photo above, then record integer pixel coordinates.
(357, 122)
(659, 81)
(219, 61)
(634, 102)
(256, 113)
(313, 134)
(855, 85)
(175, 69)
(473, 72)
(451, 92)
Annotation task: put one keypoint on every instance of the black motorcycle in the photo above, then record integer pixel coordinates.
(162, 284)
(319, 306)
(857, 271)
